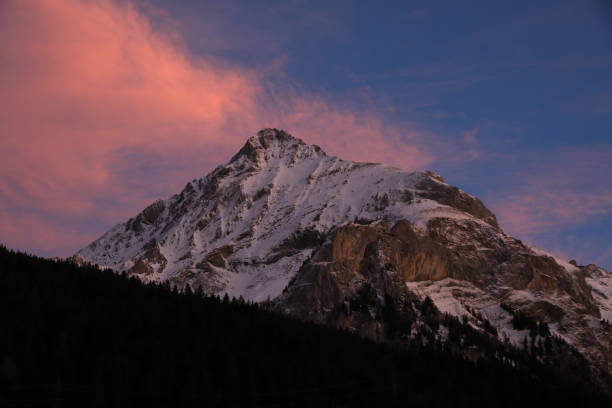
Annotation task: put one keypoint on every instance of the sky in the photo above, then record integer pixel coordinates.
(108, 105)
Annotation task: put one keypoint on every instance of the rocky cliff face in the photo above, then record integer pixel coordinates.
(360, 246)
(469, 271)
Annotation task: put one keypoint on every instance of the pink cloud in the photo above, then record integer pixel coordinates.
(528, 212)
(35, 232)
(551, 198)
(102, 111)
(569, 188)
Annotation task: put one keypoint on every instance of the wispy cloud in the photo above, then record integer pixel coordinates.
(102, 111)
(538, 208)
(593, 104)
(564, 189)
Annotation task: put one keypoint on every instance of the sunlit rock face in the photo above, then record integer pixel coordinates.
(359, 246)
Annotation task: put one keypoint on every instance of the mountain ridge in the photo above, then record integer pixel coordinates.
(337, 242)
(270, 164)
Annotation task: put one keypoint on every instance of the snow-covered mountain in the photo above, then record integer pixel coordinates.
(338, 242)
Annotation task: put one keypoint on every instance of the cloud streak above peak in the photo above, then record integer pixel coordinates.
(103, 111)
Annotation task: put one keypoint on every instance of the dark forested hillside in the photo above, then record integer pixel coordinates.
(79, 336)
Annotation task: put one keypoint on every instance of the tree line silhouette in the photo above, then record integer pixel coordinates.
(78, 336)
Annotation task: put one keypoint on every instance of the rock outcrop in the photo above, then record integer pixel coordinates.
(362, 246)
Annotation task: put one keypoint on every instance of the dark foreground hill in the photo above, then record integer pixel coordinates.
(75, 336)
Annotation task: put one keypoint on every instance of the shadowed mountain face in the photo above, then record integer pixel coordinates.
(358, 245)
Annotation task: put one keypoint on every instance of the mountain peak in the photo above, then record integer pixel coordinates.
(331, 240)
(270, 139)
(269, 136)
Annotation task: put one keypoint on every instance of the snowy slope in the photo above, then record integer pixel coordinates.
(283, 221)
(277, 185)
